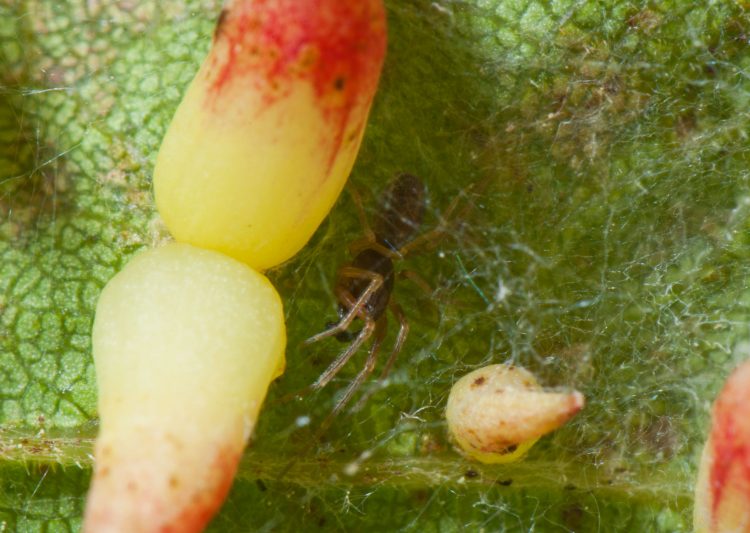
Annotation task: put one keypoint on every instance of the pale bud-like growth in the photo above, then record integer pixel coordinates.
(496, 413)
(722, 494)
(268, 131)
(186, 342)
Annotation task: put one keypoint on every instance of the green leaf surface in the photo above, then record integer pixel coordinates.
(608, 252)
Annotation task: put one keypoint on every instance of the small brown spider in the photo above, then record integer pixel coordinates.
(363, 287)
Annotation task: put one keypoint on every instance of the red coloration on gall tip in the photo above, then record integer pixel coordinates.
(337, 46)
(271, 46)
(730, 437)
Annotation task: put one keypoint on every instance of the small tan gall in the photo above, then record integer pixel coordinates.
(497, 413)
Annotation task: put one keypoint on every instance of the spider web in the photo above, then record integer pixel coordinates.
(606, 253)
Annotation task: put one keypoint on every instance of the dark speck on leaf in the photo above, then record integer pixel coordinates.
(471, 474)
(504, 482)
(573, 517)
(261, 486)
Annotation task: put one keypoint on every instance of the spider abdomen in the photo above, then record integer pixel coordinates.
(402, 211)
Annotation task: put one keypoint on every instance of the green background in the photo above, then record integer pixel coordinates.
(608, 253)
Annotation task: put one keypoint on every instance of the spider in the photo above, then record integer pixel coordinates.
(363, 287)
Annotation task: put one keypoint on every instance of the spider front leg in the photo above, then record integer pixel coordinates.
(369, 241)
(446, 219)
(345, 298)
(371, 244)
(369, 234)
(333, 369)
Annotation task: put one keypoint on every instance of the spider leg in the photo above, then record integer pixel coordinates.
(430, 237)
(376, 281)
(367, 243)
(403, 331)
(369, 234)
(356, 383)
(370, 239)
(419, 281)
(433, 298)
(334, 367)
(445, 219)
(369, 327)
(342, 359)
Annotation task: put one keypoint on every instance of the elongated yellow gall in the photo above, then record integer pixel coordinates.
(722, 493)
(496, 413)
(186, 342)
(268, 131)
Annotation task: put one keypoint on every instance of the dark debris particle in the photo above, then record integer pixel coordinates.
(573, 516)
(504, 482)
(471, 474)
(261, 486)
(421, 496)
(479, 381)
(569, 487)
(339, 83)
